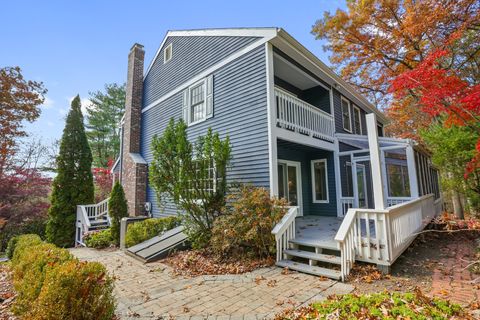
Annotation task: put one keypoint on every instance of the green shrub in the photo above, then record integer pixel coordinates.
(147, 229)
(75, 290)
(413, 306)
(11, 247)
(29, 268)
(52, 284)
(99, 239)
(117, 209)
(34, 226)
(21, 243)
(247, 228)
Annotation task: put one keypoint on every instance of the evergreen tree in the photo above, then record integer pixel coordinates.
(73, 184)
(103, 117)
(117, 209)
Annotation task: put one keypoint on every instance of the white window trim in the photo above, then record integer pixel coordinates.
(167, 48)
(357, 109)
(349, 114)
(312, 166)
(202, 82)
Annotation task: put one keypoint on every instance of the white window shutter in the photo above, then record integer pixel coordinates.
(209, 97)
(185, 112)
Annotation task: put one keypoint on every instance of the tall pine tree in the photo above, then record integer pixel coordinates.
(73, 184)
(103, 117)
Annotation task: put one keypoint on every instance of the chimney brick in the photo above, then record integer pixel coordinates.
(134, 173)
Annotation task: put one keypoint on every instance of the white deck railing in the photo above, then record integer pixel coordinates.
(86, 214)
(346, 203)
(381, 236)
(299, 116)
(284, 231)
(393, 201)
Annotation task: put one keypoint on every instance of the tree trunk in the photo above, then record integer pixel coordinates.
(457, 205)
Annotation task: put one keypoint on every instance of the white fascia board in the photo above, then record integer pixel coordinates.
(230, 32)
(208, 71)
(332, 75)
(357, 137)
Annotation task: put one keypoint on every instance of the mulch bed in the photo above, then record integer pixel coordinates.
(7, 294)
(193, 263)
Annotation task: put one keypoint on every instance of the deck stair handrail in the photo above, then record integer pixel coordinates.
(88, 215)
(284, 231)
(381, 236)
(299, 116)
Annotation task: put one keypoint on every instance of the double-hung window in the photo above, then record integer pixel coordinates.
(198, 101)
(346, 115)
(319, 181)
(357, 123)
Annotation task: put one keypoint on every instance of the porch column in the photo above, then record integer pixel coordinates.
(375, 162)
(412, 171)
(271, 114)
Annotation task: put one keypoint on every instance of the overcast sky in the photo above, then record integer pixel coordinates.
(75, 47)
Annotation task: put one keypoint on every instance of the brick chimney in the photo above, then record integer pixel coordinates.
(133, 166)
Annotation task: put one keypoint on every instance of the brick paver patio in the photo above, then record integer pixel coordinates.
(452, 279)
(149, 291)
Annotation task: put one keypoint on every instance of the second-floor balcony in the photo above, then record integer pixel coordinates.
(301, 117)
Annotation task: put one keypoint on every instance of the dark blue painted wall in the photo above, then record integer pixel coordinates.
(304, 155)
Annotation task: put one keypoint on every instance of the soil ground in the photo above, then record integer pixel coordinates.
(437, 263)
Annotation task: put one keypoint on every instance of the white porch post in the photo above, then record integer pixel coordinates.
(338, 182)
(375, 162)
(271, 114)
(412, 171)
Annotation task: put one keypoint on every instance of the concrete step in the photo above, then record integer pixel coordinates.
(315, 244)
(305, 268)
(328, 258)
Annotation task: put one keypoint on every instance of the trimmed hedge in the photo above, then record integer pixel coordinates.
(34, 226)
(52, 284)
(147, 229)
(99, 239)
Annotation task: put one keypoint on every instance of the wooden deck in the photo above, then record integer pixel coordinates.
(320, 231)
(317, 231)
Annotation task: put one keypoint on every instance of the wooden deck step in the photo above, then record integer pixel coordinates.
(302, 267)
(330, 245)
(328, 258)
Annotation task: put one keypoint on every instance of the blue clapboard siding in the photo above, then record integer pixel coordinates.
(191, 56)
(240, 110)
(338, 114)
(304, 155)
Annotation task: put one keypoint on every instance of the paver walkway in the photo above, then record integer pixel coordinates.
(452, 279)
(149, 291)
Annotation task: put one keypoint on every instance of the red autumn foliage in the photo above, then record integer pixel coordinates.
(103, 181)
(440, 90)
(23, 195)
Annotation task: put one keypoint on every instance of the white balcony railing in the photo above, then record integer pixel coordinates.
(297, 115)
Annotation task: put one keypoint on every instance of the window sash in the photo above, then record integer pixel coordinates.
(198, 110)
(357, 120)
(319, 181)
(346, 115)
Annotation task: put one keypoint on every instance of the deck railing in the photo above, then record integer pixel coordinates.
(393, 201)
(380, 236)
(299, 116)
(284, 231)
(346, 203)
(86, 214)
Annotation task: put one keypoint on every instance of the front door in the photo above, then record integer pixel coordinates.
(362, 186)
(290, 183)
